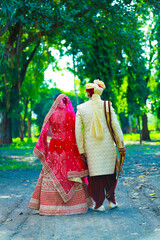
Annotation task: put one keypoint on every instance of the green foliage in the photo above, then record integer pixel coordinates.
(111, 50)
(105, 38)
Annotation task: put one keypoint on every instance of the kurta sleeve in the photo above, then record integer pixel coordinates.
(117, 129)
(79, 132)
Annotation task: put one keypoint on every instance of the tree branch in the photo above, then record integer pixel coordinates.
(5, 28)
(19, 40)
(40, 34)
(25, 66)
(14, 33)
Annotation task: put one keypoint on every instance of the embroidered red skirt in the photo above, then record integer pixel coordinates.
(48, 201)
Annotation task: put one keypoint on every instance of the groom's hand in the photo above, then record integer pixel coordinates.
(122, 151)
(84, 158)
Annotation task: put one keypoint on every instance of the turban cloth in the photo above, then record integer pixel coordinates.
(96, 129)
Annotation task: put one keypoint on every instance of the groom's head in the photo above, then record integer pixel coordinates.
(96, 87)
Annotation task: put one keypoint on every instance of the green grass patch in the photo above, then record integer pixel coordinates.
(17, 164)
(132, 137)
(154, 135)
(27, 143)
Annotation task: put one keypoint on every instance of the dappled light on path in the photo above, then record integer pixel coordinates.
(137, 193)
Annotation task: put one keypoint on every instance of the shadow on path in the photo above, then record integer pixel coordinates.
(137, 217)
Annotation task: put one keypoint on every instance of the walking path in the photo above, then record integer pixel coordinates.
(137, 217)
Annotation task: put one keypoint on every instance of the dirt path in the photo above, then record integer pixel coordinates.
(138, 215)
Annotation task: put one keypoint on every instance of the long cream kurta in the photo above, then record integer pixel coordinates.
(101, 154)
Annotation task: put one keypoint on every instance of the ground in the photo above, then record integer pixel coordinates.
(137, 193)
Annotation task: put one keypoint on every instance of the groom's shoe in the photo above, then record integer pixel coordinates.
(112, 205)
(100, 209)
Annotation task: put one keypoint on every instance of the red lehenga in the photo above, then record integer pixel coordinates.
(60, 189)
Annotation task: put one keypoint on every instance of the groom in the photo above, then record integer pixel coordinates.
(96, 145)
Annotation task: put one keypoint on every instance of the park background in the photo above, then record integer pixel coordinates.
(47, 46)
(115, 41)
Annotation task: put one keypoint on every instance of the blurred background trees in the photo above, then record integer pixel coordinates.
(115, 41)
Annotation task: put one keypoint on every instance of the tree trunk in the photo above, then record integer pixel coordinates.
(130, 123)
(139, 129)
(145, 132)
(15, 127)
(22, 127)
(5, 129)
(29, 127)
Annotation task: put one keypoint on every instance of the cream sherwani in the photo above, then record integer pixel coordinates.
(101, 153)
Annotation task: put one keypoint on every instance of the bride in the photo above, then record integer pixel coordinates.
(61, 188)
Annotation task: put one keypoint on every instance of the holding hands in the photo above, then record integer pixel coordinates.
(84, 158)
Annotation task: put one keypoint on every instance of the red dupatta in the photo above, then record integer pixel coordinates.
(57, 148)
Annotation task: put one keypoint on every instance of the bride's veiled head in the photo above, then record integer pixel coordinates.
(64, 99)
(61, 107)
(63, 102)
(62, 118)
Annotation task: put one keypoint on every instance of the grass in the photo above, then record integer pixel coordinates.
(131, 137)
(18, 163)
(27, 143)
(19, 155)
(154, 135)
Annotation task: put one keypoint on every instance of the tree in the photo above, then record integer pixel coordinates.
(109, 49)
(24, 27)
(31, 87)
(86, 26)
(154, 83)
(113, 50)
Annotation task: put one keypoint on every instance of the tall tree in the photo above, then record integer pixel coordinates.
(24, 26)
(27, 25)
(115, 49)
(155, 51)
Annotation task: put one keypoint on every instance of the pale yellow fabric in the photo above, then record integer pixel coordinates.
(75, 179)
(97, 81)
(101, 153)
(97, 90)
(96, 129)
(91, 85)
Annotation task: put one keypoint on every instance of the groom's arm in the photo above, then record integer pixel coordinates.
(117, 131)
(79, 132)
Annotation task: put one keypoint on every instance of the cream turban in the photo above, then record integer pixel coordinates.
(97, 85)
(96, 129)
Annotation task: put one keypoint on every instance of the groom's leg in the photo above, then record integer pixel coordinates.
(110, 182)
(96, 189)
